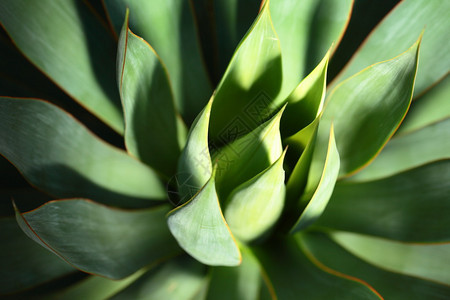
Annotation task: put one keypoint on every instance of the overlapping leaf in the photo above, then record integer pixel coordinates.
(100, 240)
(70, 45)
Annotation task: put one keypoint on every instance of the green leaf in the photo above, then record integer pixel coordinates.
(433, 106)
(150, 118)
(315, 201)
(72, 47)
(57, 154)
(390, 285)
(201, 230)
(410, 150)
(194, 165)
(254, 206)
(247, 93)
(23, 263)
(420, 260)
(398, 30)
(180, 278)
(97, 239)
(409, 206)
(306, 100)
(248, 155)
(242, 282)
(170, 29)
(292, 274)
(307, 29)
(366, 110)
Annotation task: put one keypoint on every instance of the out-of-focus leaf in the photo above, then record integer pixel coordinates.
(194, 165)
(247, 94)
(242, 282)
(433, 106)
(305, 103)
(410, 206)
(201, 230)
(293, 274)
(179, 278)
(366, 110)
(23, 263)
(168, 26)
(317, 199)
(254, 206)
(150, 119)
(408, 151)
(248, 155)
(100, 240)
(70, 45)
(307, 29)
(428, 261)
(398, 30)
(57, 154)
(390, 285)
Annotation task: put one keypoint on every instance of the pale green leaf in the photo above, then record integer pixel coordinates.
(100, 240)
(201, 230)
(72, 47)
(254, 206)
(59, 155)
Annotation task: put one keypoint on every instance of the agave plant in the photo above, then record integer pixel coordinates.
(210, 154)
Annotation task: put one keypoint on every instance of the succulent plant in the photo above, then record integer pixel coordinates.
(210, 154)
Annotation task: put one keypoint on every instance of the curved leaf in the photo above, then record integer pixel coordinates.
(248, 155)
(98, 239)
(294, 274)
(411, 206)
(307, 29)
(201, 230)
(179, 278)
(399, 29)
(194, 165)
(366, 110)
(68, 43)
(389, 284)
(316, 203)
(421, 260)
(23, 263)
(247, 93)
(254, 206)
(408, 151)
(169, 28)
(150, 118)
(57, 154)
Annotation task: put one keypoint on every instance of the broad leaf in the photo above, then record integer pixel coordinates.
(399, 29)
(410, 150)
(292, 273)
(100, 240)
(194, 165)
(366, 110)
(169, 28)
(420, 260)
(307, 29)
(70, 45)
(315, 201)
(57, 154)
(202, 231)
(391, 285)
(180, 278)
(150, 118)
(246, 95)
(241, 282)
(409, 206)
(254, 206)
(23, 263)
(248, 155)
